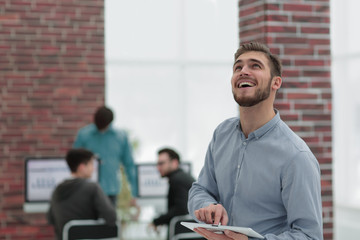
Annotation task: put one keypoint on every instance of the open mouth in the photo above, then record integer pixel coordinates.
(245, 84)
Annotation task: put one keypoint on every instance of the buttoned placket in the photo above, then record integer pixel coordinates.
(243, 145)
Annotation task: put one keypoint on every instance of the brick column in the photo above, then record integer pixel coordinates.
(298, 31)
(52, 79)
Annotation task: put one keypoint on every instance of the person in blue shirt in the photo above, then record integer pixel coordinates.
(258, 173)
(113, 148)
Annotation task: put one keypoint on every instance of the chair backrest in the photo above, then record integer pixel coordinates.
(178, 231)
(90, 229)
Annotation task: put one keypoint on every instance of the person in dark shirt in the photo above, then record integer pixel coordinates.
(79, 197)
(179, 184)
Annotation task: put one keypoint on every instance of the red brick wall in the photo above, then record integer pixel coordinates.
(298, 31)
(52, 79)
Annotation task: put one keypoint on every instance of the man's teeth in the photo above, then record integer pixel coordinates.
(246, 84)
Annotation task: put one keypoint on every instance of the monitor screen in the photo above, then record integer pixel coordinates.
(150, 183)
(42, 175)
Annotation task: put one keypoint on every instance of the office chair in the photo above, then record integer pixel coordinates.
(90, 229)
(179, 232)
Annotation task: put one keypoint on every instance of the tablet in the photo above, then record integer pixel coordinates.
(219, 229)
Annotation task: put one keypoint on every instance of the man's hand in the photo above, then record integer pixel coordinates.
(153, 228)
(228, 235)
(133, 202)
(133, 205)
(212, 214)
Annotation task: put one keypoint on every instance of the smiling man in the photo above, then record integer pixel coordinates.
(258, 173)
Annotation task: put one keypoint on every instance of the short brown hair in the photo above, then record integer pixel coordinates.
(275, 63)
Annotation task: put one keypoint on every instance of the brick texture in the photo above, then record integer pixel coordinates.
(52, 79)
(298, 31)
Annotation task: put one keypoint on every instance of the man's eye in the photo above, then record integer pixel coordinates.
(238, 68)
(256, 65)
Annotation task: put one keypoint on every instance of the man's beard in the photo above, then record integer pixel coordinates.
(260, 95)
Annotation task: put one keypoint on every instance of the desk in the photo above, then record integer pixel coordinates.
(36, 207)
(138, 230)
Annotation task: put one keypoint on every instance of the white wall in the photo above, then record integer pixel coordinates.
(168, 70)
(345, 39)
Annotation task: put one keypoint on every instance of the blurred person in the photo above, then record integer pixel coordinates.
(168, 165)
(78, 197)
(258, 173)
(113, 148)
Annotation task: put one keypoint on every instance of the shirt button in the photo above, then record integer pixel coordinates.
(244, 143)
(238, 166)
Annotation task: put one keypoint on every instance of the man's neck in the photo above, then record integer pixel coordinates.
(172, 172)
(78, 175)
(253, 118)
(104, 129)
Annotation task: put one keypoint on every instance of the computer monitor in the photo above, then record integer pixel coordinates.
(43, 174)
(150, 183)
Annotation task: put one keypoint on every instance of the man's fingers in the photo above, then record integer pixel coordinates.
(218, 214)
(209, 216)
(200, 214)
(234, 235)
(211, 235)
(224, 218)
(197, 215)
(212, 214)
(204, 215)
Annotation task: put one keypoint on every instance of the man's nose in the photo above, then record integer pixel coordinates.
(244, 71)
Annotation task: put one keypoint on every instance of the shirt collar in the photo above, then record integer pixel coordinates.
(258, 133)
(174, 172)
(95, 130)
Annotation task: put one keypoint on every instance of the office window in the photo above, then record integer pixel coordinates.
(345, 40)
(168, 70)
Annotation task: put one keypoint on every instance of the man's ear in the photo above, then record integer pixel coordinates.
(80, 167)
(175, 164)
(277, 81)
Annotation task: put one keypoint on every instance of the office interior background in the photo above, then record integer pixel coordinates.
(165, 68)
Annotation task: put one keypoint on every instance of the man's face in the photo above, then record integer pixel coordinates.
(165, 165)
(89, 168)
(251, 80)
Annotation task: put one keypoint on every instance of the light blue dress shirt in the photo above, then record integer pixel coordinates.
(114, 149)
(269, 182)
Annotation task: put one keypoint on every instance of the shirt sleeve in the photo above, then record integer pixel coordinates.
(78, 141)
(204, 191)
(301, 195)
(104, 207)
(50, 216)
(129, 165)
(180, 194)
